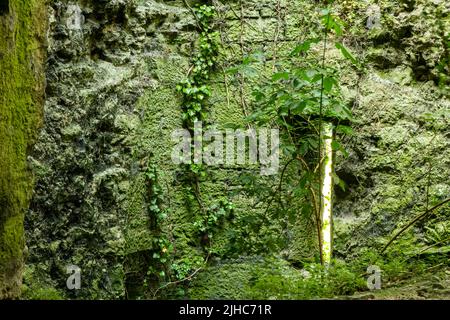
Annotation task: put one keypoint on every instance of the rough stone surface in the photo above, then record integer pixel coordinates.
(22, 57)
(112, 105)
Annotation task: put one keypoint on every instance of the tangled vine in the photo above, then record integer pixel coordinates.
(195, 92)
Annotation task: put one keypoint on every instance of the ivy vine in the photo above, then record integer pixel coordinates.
(195, 90)
(162, 246)
(298, 98)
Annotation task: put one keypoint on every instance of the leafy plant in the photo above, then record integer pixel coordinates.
(439, 233)
(162, 246)
(195, 89)
(184, 267)
(314, 281)
(208, 225)
(195, 92)
(298, 99)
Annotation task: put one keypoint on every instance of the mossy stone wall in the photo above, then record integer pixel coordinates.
(112, 105)
(22, 57)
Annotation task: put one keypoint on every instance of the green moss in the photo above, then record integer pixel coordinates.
(273, 278)
(34, 288)
(41, 294)
(233, 279)
(21, 98)
(388, 163)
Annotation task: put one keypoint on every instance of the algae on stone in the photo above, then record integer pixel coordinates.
(22, 55)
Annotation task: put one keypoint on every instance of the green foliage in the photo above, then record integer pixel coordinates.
(33, 288)
(182, 268)
(297, 98)
(155, 195)
(398, 263)
(444, 66)
(314, 281)
(163, 247)
(293, 98)
(41, 294)
(438, 233)
(340, 278)
(216, 215)
(195, 89)
(274, 278)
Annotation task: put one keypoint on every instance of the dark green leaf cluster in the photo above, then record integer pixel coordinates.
(195, 89)
(162, 247)
(217, 215)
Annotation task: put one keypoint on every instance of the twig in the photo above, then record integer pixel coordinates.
(277, 32)
(189, 277)
(227, 89)
(317, 216)
(422, 215)
(195, 15)
(431, 246)
(279, 185)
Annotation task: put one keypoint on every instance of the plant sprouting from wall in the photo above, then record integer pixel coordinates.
(162, 247)
(208, 225)
(303, 99)
(195, 90)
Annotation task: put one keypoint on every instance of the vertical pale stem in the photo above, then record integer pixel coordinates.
(326, 191)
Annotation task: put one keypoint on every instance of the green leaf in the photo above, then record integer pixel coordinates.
(249, 71)
(288, 149)
(328, 83)
(346, 53)
(332, 22)
(316, 78)
(311, 75)
(344, 129)
(338, 147)
(280, 75)
(304, 46)
(154, 208)
(313, 143)
(304, 147)
(336, 26)
(298, 108)
(338, 181)
(233, 71)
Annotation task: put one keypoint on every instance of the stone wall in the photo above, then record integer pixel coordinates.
(112, 105)
(22, 56)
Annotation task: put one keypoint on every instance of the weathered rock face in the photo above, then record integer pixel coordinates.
(112, 105)
(100, 56)
(22, 57)
(398, 165)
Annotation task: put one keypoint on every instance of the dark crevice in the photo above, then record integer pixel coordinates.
(4, 7)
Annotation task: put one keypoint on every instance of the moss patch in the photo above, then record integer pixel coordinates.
(22, 28)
